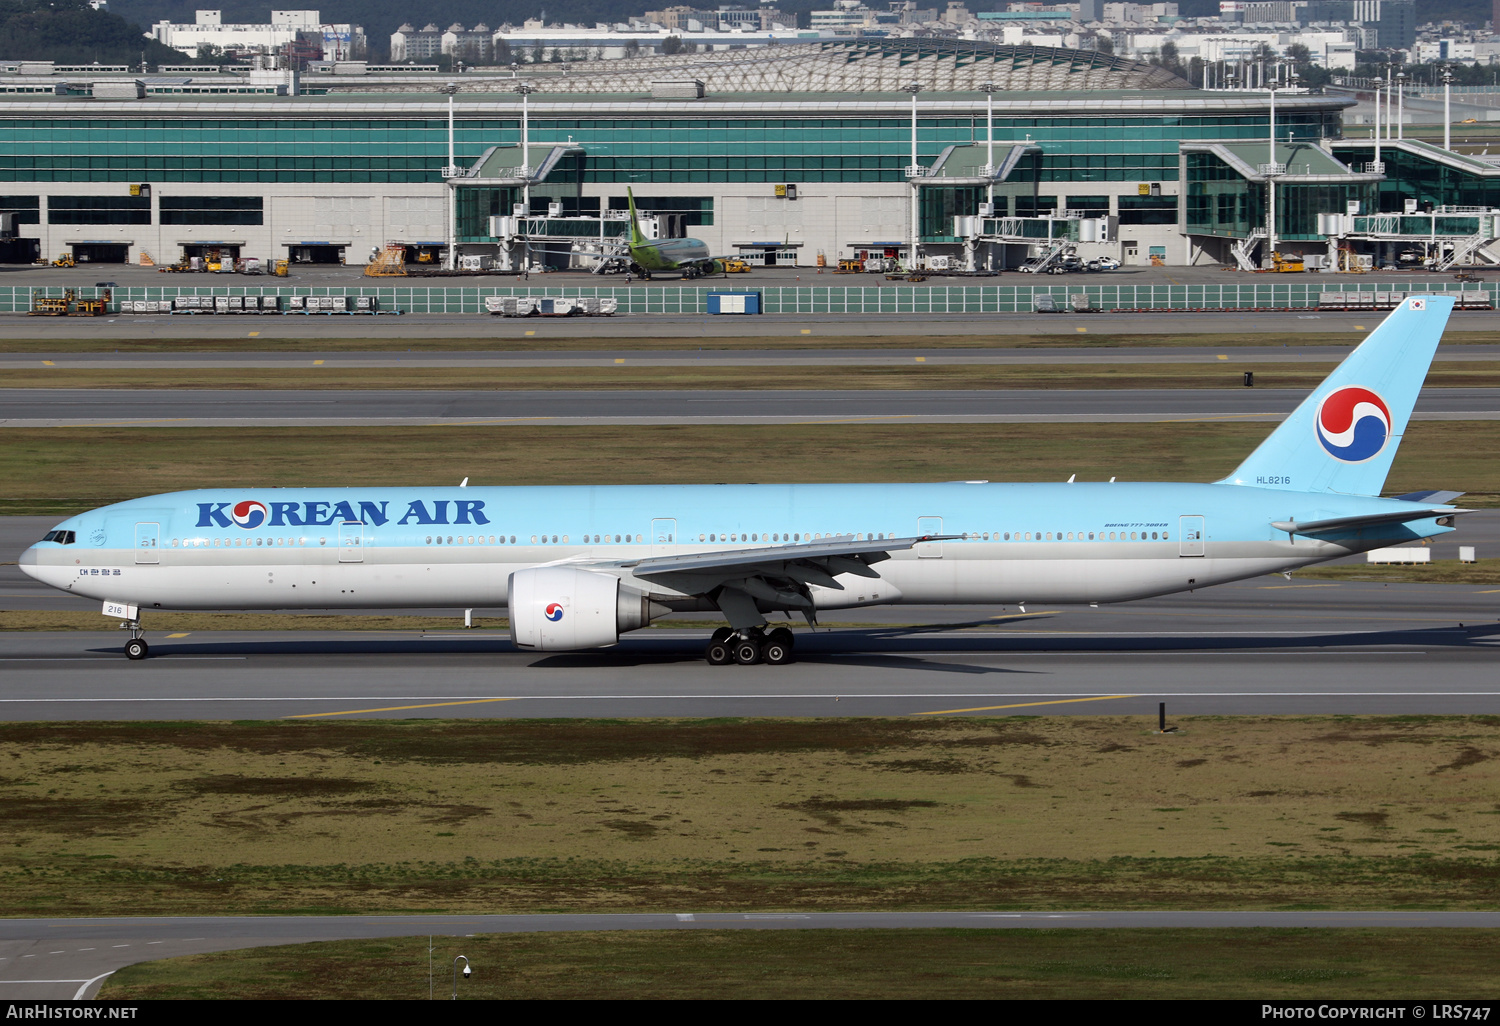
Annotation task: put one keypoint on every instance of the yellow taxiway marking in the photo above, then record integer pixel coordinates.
(255, 334)
(1492, 591)
(182, 635)
(921, 359)
(619, 359)
(317, 363)
(48, 363)
(1223, 356)
(1359, 327)
(1023, 705)
(531, 333)
(1080, 329)
(1280, 587)
(807, 331)
(400, 708)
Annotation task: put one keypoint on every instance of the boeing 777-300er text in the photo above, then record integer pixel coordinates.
(578, 565)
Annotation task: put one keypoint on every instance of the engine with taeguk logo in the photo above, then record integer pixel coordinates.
(1353, 424)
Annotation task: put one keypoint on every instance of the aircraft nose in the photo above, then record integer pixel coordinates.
(27, 562)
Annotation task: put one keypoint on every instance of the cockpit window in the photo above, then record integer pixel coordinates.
(61, 537)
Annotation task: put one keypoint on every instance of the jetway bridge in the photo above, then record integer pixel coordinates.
(1448, 235)
(1048, 238)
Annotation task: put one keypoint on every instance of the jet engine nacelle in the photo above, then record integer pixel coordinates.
(558, 608)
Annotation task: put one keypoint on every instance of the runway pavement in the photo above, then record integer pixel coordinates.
(36, 954)
(36, 408)
(1231, 359)
(680, 327)
(1268, 646)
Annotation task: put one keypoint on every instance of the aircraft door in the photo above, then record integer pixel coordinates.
(664, 537)
(147, 543)
(1190, 536)
(352, 541)
(926, 526)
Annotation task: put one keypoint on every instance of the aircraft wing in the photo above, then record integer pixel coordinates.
(1337, 524)
(775, 576)
(842, 555)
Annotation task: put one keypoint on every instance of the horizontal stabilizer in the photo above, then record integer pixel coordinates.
(1368, 520)
(1436, 497)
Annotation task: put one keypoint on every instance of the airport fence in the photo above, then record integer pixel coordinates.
(886, 298)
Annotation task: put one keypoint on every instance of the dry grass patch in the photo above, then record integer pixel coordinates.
(1161, 964)
(39, 467)
(573, 814)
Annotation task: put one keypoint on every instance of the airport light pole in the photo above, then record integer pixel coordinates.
(989, 139)
(1400, 104)
(1271, 169)
(524, 171)
(450, 172)
(1447, 108)
(914, 173)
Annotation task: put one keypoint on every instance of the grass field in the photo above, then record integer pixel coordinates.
(1439, 571)
(850, 964)
(627, 377)
(573, 815)
(68, 470)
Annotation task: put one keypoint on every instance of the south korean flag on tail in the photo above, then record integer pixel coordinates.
(1418, 304)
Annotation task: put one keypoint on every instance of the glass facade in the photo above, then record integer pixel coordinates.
(212, 210)
(1148, 209)
(621, 149)
(692, 209)
(28, 209)
(938, 208)
(1412, 176)
(99, 209)
(1221, 202)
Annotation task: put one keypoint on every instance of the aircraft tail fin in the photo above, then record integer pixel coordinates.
(1344, 435)
(636, 238)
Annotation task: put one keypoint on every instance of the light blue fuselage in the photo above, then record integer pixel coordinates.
(455, 547)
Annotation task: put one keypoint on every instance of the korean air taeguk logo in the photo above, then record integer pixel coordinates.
(1353, 424)
(554, 611)
(248, 513)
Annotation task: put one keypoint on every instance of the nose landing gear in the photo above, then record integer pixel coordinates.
(749, 647)
(136, 647)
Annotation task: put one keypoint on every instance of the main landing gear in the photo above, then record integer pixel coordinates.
(136, 647)
(751, 646)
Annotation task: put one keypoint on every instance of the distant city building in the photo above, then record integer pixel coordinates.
(336, 42)
(410, 44)
(724, 18)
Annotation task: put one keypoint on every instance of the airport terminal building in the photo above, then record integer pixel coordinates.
(780, 154)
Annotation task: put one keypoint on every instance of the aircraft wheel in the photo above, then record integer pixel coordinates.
(784, 637)
(136, 648)
(747, 652)
(719, 653)
(778, 653)
(723, 634)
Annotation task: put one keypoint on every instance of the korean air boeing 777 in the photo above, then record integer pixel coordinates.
(577, 566)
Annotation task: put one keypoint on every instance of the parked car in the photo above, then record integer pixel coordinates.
(1108, 264)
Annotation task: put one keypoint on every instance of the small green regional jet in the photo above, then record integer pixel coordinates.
(688, 257)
